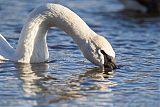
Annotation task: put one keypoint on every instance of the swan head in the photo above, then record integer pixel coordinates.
(99, 51)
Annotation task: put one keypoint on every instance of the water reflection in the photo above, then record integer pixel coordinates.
(48, 88)
(99, 79)
(30, 75)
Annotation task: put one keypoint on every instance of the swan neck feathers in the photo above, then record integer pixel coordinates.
(32, 46)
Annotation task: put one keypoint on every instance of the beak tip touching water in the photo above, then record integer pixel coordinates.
(111, 64)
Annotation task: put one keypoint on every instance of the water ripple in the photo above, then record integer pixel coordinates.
(68, 79)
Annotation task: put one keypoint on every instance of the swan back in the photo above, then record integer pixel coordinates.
(6, 50)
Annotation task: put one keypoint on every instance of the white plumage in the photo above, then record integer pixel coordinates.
(32, 46)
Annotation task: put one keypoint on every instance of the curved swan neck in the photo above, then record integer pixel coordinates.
(32, 46)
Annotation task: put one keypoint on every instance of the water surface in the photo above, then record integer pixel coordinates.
(69, 79)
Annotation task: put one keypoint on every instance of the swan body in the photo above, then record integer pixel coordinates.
(32, 45)
(144, 6)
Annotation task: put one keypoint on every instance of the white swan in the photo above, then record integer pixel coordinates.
(32, 46)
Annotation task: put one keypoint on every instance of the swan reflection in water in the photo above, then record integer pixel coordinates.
(49, 88)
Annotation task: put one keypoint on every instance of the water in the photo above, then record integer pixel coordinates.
(69, 79)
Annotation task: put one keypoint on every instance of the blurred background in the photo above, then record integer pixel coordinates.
(131, 26)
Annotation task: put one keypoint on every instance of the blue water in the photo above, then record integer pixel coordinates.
(70, 80)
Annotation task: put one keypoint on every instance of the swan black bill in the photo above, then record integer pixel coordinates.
(110, 65)
(109, 62)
